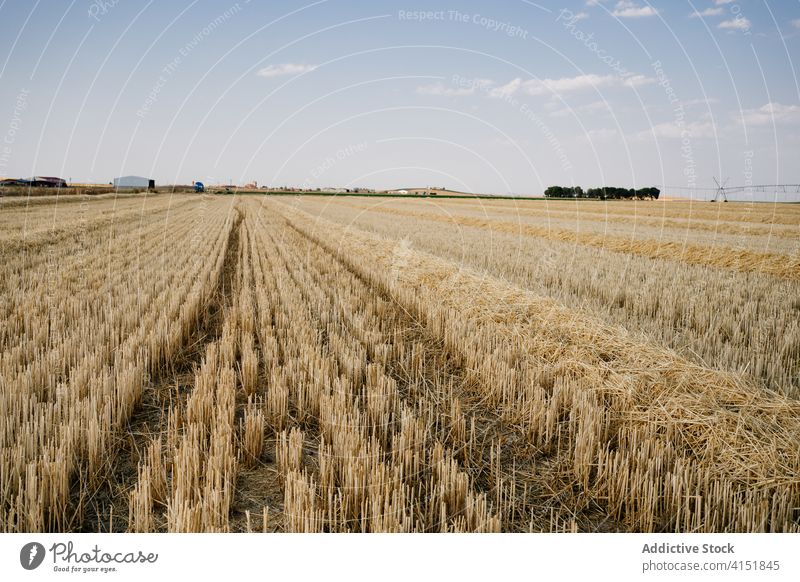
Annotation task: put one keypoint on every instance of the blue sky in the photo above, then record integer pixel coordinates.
(503, 97)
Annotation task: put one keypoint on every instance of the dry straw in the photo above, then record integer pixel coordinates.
(645, 430)
(338, 388)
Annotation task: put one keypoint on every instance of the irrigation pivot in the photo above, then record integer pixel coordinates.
(720, 195)
(722, 191)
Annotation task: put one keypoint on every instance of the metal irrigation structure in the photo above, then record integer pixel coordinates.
(721, 191)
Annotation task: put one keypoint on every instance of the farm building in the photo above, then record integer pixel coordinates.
(12, 182)
(36, 182)
(134, 182)
(46, 182)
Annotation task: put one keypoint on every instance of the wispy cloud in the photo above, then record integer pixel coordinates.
(771, 113)
(567, 85)
(554, 86)
(508, 89)
(733, 24)
(693, 102)
(628, 9)
(285, 69)
(707, 12)
(672, 130)
(637, 81)
(595, 107)
(444, 90)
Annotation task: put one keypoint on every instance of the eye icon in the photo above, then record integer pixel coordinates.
(31, 555)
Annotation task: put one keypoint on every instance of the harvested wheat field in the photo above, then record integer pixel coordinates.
(194, 363)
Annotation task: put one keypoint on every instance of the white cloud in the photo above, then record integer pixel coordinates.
(285, 69)
(740, 23)
(595, 107)
(535, 87)
(638, 81)
(672, 130)
(693, 102)
(796, 22)
(566, 85)
(721, 2)
(628, 9)
(707, 12)
(508, 89)
(443, 90)
(771, 113)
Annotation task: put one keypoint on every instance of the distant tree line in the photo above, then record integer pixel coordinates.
(607, 193)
